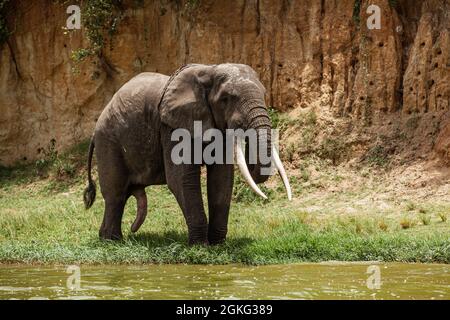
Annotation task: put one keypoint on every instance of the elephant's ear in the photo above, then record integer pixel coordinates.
(186, 101)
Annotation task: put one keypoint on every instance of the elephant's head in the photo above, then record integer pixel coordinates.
(225, 96)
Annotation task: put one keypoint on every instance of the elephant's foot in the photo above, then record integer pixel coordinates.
(216, 241)
(198, 236)
(110, 234)
(217, 236)
(194, 242)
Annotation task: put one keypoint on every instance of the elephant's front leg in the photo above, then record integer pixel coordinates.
(194, 211)
(184, 182)
(220, 188)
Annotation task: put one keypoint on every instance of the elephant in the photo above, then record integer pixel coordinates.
(132, 142)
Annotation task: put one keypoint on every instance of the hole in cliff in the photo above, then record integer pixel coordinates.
(258, 65)
(439, 96)
(436, 65)
(361, 98)
(95, 120)
(65, 45)
(422, 44)
(439, 52)
(431, 83)
(371, 83)
(380, 44)
(423, 97)
(411, 89)
(280, 65)
(288, 79)
(25, 159)
(419, 73)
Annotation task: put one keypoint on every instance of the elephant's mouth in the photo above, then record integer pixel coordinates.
(242, 165)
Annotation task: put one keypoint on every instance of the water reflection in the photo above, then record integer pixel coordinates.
(295, 281)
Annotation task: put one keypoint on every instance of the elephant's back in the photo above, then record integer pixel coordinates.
(134, 102)
(145, 89)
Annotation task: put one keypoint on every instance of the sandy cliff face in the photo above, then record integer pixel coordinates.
(309, 54)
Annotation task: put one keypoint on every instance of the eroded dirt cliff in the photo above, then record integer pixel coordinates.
(310, 54)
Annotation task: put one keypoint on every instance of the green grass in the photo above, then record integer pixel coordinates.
(42, 220)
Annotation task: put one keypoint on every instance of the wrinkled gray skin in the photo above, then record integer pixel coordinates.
(133, 146)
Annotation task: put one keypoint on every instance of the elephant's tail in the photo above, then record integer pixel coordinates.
(90, 191)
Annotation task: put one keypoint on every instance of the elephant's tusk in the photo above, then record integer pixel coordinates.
(280, 168)
(240, 159)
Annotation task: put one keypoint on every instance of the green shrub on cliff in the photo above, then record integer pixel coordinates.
(4, 31)
(100, 18)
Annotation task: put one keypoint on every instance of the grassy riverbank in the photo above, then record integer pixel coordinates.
(337, 214)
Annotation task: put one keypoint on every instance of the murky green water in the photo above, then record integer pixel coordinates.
(296, 281)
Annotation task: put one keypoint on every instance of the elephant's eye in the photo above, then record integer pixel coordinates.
(224, 99)
(239, 123)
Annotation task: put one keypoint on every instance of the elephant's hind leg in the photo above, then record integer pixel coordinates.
(113, 179)
(112, 220)
(141, 213)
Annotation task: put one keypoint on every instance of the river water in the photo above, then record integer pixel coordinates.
(292, 281)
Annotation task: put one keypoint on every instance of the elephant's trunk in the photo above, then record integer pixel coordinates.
(259, 120)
